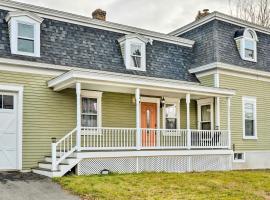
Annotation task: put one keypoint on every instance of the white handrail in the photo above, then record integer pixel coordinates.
(64, 148)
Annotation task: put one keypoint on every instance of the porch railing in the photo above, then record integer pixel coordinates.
(132, 138)
(126, 138)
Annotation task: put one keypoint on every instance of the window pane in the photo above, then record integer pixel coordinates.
(8, 102)
(89, 120)
(136, 53)
(206, 125)
(206, 113)
(89, 105)
(170, 111)
(26, 31)
(26, 45)
(170, 123)
(249, 112)
(148, 119)
(136, 49)
(249, 127)
(249, 53)
(1, 101)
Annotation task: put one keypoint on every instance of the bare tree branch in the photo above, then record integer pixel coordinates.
(255, 11)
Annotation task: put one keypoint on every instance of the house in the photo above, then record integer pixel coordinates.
(91, 95)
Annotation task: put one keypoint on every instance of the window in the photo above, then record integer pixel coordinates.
(7, 102)
(26, 38)
(249, 118)
(133, 49)
(246, 41)
(136, 55)
(24, 33)
(171, 116)
(205, 113)
(239, 157)
(91, 109)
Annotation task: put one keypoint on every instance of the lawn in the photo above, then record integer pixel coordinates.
(208, 185)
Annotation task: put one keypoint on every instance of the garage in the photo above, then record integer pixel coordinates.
(9, 140)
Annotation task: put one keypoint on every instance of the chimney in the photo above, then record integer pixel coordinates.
(202, 14)
(99, 14)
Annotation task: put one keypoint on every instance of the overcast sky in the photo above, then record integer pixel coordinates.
(158, 15)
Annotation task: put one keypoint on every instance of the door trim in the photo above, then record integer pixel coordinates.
(19, 90)
(153, 100)
(203, 102)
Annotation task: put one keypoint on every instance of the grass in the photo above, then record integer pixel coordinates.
(233, 185)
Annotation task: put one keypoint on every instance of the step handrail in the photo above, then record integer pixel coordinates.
(65, 147)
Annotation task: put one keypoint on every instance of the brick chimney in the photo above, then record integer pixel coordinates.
(202, 14)
(99, 14)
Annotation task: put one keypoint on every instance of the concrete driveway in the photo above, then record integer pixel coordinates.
(29, 186)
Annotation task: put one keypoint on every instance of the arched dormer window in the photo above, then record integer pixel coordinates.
(246, 41)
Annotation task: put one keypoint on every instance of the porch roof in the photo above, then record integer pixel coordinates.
(125, 83)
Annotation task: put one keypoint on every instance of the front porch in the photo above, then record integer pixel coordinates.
(162, 110)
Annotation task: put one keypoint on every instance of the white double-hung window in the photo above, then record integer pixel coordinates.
(24, 30)
(246, 41)
(91, 109)
(249, 118)
(133, 49)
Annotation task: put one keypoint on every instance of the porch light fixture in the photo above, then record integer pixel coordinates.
(162, 102)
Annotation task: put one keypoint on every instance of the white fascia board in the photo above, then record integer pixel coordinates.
(67, 79)
(223, 67)
(20, 13)
(87, 21)
(222, 17)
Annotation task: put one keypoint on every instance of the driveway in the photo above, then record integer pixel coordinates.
(29, 186)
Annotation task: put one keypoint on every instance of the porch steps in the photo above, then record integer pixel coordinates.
(44, 167)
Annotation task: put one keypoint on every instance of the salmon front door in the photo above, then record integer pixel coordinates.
(148, 124)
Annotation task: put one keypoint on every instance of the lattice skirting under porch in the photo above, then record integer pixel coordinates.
(155, 164)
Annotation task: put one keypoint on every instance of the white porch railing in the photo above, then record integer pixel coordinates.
(63, 148)
(127, 139)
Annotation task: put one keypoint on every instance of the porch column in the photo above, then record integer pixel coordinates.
(138, 118)
(229, 121)
(188, 121)
(78, 97)
(217, 103)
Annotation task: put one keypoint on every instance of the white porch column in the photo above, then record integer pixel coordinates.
(217, 102)
(188, 121)
(229, 121)
(138, 118)
(78, 97)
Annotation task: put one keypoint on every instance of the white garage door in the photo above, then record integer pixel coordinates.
(8, 131)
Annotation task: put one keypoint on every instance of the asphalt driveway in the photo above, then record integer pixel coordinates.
(29, 186)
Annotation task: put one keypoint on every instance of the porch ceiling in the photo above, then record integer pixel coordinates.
(123, 83)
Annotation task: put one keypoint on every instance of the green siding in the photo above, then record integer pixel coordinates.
(207, 80)
(193, 114)
(118, 110)
(247, 87)
(46, 114)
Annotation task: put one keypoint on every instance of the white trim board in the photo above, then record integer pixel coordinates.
(19, 90)
(87, 21)
(222, 17)
(233, 70)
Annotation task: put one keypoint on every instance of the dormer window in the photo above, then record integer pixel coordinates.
(24, 30)
(246, 41)
(133, 48)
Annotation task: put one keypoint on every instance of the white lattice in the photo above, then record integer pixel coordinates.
(155, 164)
(117, 165)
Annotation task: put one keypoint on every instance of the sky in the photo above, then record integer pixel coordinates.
(157, 15)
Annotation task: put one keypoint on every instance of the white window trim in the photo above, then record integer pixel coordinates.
(19, 90)
(203, 102)
(97, 95)
(243, 45)
(13, 22)
(153, 100)
(242, 160)
(252, 100)
(175, 101)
